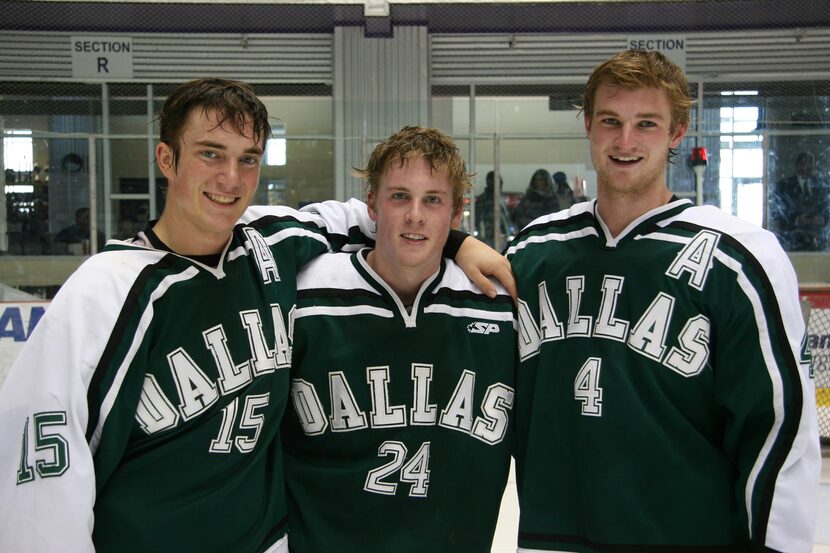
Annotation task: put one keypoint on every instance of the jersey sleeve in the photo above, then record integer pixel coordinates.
(764, 382)
(347, 224)
(303, 235)
(47, 483)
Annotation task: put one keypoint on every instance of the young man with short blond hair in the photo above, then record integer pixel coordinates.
(665, 400)
(402, 380)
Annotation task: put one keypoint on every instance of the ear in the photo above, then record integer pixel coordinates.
(456, 217)
(678, 134)
(587, 121)
(165, 160)
(371, 204)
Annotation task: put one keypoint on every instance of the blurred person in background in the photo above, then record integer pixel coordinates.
(567, 197)
(484, 212)
(540, 199)
(800, 208)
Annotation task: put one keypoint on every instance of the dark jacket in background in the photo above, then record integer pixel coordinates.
(535, 203)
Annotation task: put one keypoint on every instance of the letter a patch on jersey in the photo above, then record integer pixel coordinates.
(262, 254)
(696, 259)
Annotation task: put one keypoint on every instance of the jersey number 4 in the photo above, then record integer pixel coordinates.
(587, 390)
(53, 447)
(415, 471)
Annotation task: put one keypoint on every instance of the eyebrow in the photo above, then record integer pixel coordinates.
(647, 115)
(216, 145)
(405, 188)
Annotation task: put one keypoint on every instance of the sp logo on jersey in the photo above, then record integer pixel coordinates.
(479, 327)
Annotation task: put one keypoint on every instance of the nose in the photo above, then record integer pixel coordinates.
(415, 213)
(626, 136)
(229, 173)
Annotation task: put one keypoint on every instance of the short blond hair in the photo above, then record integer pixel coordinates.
(633, 69)
(426, 143)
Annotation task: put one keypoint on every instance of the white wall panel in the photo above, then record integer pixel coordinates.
(380, 85)
(159, 57)
(564, 58)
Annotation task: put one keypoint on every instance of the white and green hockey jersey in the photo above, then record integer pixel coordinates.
(143, 414)
(664, 397)
(400, 434)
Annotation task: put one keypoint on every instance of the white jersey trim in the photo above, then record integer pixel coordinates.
(758, 244)
(505, 316)
(279, 237)
(280, 547)
(409, 318)
(553, 236)
(612, 241)
(335, 311)
(144, 323)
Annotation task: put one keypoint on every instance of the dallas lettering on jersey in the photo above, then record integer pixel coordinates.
(490, 426)
(196, 391)
(649, 335)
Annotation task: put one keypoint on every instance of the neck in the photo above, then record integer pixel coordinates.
(405, 283)
(184, 243)
(620, 210)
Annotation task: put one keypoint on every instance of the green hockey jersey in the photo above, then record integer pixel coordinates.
(400, 433)
(143, 414)
(664, 398)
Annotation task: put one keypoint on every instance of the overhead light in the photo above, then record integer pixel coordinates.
(739, 93)
(376, 8)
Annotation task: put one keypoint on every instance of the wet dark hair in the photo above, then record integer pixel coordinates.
(230, 101)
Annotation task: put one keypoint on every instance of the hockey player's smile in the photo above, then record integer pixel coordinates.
(413, 237)
(625, 160)
(221, 198)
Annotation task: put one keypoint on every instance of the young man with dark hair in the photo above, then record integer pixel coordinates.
(665, 400)
(402, 381)
(146, 405)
